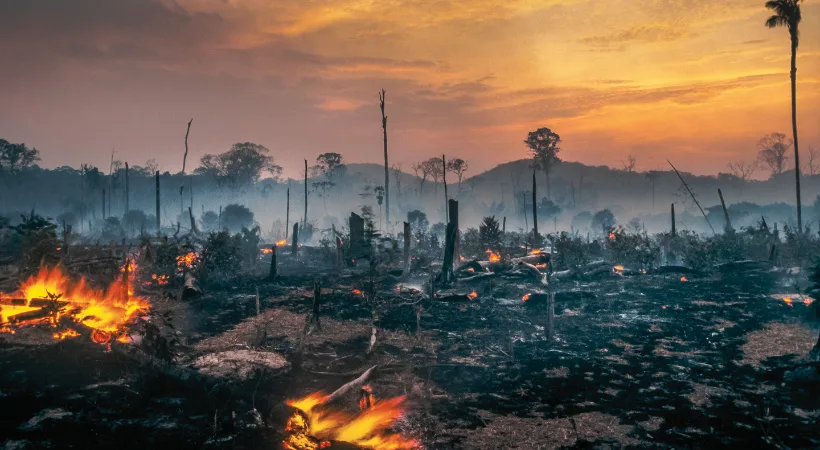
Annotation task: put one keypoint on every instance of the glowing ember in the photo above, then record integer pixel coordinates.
(807, 301)
(472, 295)
(541, 266)
(313, 425)
(612, 236)
(186, 261)
(50, 295)
(356, 292)
(788, 301)
(525, 297)
(684, 279)
(535, 251)
(470, 269)
(493, 256)
(618, 269)
(266, 250)
(281, 243)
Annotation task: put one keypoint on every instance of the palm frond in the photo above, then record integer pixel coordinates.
(776, 21)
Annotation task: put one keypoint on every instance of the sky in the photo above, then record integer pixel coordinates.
(695, 81)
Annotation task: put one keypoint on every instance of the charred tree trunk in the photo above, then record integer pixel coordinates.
(304, 222)
(184, 159)
(407, 237)
(535, 238)
(550, 316)
(272, 273)
(287, 214)
(193, 221)
(103, 204)
(449, 243)
(444, 181)
(692, 194)
(127, 202)
(673, 219)
(728, 226)
(295, 243)
(156, 181)
(386, 177)
(67, 242)
(357, 242)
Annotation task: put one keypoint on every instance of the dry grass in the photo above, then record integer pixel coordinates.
(777, 339)
(701, 394)
(504, 432)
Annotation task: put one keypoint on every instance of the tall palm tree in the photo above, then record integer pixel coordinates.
(787, 14)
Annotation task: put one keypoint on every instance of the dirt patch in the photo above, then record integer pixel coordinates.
(239, 364)
(778, 339)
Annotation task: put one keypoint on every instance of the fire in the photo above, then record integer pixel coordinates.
(684, 279)
(493, 256)
(50, 295)
(266, 250)
(525, 297)
(788, 301)
(536, 251)
(807, 301)
(618, 269)
(612, 236)
(470, 269)
(186, 261)
(472, 295)
(314, 425)
(357, 292)
(281, 243)
(541, 266)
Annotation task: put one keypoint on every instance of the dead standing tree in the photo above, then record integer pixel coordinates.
(386, 170)
(184, 159)
(450, 243)
(304, 222)
(693, 196)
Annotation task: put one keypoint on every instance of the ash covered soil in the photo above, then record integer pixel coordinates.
(636, 362)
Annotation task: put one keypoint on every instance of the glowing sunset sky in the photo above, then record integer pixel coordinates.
(694, 80)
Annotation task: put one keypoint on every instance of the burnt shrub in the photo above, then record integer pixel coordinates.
(34, 242)
(571, 252)
(220, 260)
(636, 249)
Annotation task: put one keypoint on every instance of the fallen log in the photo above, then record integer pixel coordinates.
(347, 387)
(454, 298)
(473, 264)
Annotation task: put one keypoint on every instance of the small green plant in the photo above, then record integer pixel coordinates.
(489, 233)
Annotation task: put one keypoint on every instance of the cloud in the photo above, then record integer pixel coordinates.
(644, 34)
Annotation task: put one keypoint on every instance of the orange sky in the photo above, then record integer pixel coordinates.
(696, 81)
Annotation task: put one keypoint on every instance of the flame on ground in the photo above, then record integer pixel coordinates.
(525, 297)
(612, 236)
(50, 295)
(493, 256)
(313, 425)
(281, 243)
(266, 250)
(618, 269)
(536, 251)
(472, 295)
(684, 279)
(356, 292)
(186, 261)
(788, 301)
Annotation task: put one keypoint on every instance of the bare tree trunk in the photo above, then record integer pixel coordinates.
(794, 133)
(287, 214)
(193, 221)
(272, 273)
(673, 219)
(184, 159)
(444, 180)
(728, 227)
(156, 180)
(127, 203)
(692, 195)
(407, 238)
(386, 177)
(295, 243)
(103, 205)
(304, 223)
(534, 213)
(449, 243)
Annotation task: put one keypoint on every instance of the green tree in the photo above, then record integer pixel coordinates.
(14, 157)
(489, 234)
(239, 167)
(543, 145)
(787, 14)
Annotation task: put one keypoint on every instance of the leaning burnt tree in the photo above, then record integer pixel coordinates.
(386, 172)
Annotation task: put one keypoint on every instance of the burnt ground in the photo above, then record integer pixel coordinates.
(644, 362)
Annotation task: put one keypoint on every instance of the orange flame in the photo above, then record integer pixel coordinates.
(493, 256)
(313, 424)
(106, 312)
(472, 295)
(684, 279)
(266, 250)
(186, 261)
(612, 236)
(536, 251)
(281, 243)
(618, 269)
(356, 292)
(525, 297)
(788, 301)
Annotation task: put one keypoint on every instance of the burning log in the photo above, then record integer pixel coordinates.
(470, 267)
(347, 387)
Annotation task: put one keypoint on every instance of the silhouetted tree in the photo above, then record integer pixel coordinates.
(773, 152)
(548, 208)
(543, 145)
(787, 14)
(235, 217)
(14, 157)
(603, 220)
(489, 234)
(458, 166)
(241, 166)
